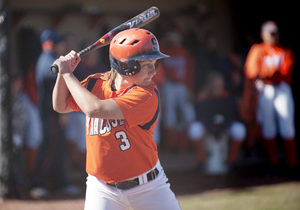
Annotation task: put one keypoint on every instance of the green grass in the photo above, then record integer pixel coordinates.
(285, 196)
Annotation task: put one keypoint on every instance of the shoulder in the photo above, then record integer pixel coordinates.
(91, 80)
(136, 95)
(257, 47)
(146, 91)
(140, 105)
(256, 50)
(46, 57)
(97, 76)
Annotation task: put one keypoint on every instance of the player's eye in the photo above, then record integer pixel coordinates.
(147, 65)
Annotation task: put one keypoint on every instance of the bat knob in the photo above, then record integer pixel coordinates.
(54, 69)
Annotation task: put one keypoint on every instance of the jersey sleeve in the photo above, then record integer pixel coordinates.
(89, 84)
(140, 106)
(252, 65)
(288, 62)
(71, 103)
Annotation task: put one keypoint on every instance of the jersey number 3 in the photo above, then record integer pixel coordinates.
(122, 136)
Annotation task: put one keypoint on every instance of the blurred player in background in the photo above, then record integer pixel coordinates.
(52, 155)
(269, 67)
(217, 116)
(177, 91)
(27, 136)
(159, 80)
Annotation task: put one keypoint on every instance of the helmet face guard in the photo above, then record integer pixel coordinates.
(130, 46)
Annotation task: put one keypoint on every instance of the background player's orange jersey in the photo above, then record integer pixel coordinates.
(273, 64)
(179, 67)
(118, 150)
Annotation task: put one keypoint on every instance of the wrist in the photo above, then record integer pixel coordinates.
(67, 75)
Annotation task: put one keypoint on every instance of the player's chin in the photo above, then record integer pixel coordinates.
(147, 81)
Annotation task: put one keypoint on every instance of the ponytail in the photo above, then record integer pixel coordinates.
(111, 75)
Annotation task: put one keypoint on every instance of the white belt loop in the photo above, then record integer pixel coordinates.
(141, 180)
(145, 178)
(158, 166)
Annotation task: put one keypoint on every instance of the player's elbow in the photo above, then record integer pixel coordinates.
(56, 107)
(59, 108)
(106, 109)
(88, 112)
(91, 110)
(61, 111)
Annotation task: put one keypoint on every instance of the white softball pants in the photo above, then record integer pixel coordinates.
(153, 195)
(276, 111)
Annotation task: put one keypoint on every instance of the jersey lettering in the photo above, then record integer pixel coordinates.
(96, 122)
(96, 126)
(114, 123)
(88, 119)
(274, 60)
(122, 136)
(92, 127)
(103, 128)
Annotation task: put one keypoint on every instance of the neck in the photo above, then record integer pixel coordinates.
(47, 46)
(121, 82)
(275, 44)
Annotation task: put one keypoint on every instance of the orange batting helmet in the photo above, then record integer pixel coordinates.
(130, 46)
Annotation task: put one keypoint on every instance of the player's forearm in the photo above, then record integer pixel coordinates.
(60, 95)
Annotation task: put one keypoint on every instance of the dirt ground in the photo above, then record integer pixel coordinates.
(180, 169)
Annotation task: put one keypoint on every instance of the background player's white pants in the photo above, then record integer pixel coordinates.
(236, 131)
(175, 98)
(75, 129)
(276, 109)
(154, 195)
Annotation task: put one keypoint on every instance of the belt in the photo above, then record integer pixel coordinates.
(269, 82)
(132, 183)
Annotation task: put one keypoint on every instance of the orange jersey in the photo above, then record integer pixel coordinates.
(272, 64)
(118, 150)
(179, 67)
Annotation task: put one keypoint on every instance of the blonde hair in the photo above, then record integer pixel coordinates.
(111, 75)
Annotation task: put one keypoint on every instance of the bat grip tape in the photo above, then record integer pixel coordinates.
(54, 68)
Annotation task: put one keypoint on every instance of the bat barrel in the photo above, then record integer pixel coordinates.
(135, 22)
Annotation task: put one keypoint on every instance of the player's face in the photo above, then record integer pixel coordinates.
(144, 77)
(270, 38)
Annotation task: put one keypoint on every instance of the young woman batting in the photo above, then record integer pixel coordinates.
(121, 108)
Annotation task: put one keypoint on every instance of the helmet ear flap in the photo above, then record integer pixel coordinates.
(133, 68)
(125, 68)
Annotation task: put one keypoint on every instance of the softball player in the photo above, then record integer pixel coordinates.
(121, 109)
(270, 65)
